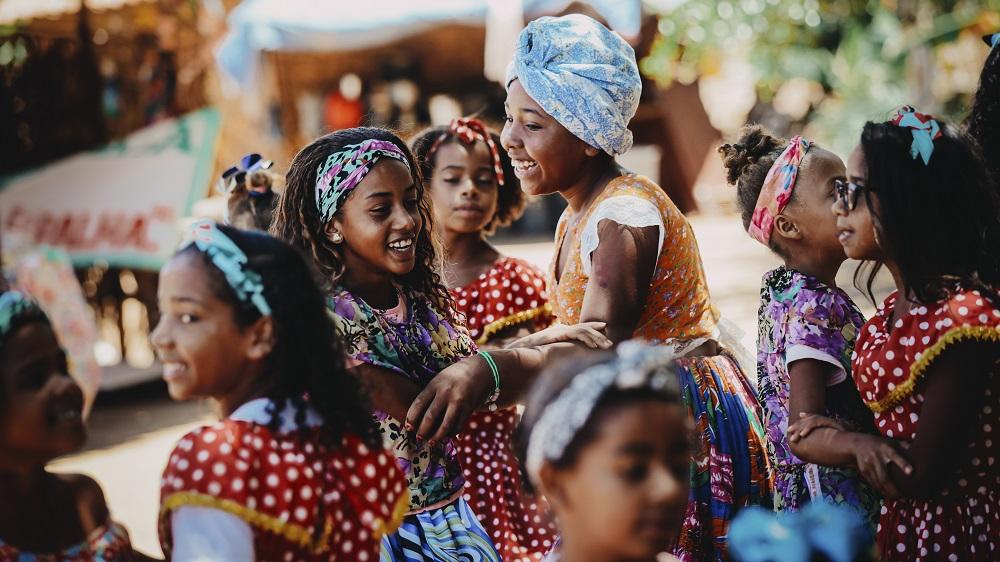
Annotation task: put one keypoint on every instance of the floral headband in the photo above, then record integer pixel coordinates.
(14, 305)
(231, 261)
(637, 366)
(469, 131)
(777, 190)
(925, 130)
(343, 171)
(237, 174)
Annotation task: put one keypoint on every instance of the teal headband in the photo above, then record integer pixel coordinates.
(343, 170)
(14, 305)
(231, 261)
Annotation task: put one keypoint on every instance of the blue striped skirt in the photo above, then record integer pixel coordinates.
(449, 534)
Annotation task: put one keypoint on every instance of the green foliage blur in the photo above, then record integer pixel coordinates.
(867, 56)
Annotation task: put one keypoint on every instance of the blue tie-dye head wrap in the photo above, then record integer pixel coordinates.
(583, 75)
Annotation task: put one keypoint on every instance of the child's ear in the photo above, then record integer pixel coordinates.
(333, 231)
(550, 486)
(787, 228)
(261, 338)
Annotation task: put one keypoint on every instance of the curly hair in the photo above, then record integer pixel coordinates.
(297, 220)
(747, 162)
(510, 199)
(308, 359)
(952, 191)
(983, 122)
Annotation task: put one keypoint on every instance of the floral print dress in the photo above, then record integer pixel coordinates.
(802, 318)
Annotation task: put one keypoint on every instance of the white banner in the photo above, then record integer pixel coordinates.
(120, 204)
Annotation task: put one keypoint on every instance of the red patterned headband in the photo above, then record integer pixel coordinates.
(777, 190)
(469, 130)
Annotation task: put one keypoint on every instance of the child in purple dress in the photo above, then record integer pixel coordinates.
(807, 325)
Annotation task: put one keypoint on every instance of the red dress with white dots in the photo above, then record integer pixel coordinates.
(303, 500)
(962, 520)
(511, 293)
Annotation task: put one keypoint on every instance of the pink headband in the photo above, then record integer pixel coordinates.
(470, 130)
(777, 190)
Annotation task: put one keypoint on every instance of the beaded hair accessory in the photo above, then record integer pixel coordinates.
(470, 130)
(637, 366)
(343, 171)
(231, 261)
(13, 305)
(236, 175)
(925, 130)
(777, 190)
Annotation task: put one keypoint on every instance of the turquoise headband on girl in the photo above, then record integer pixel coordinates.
(231, 261)
(925, 130)
(343, 171)
(14, 305)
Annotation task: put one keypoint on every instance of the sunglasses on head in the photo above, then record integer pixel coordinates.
(848, 193)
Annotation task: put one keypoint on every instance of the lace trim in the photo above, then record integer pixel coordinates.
(512, 320)
(919, 367)
(626, 210)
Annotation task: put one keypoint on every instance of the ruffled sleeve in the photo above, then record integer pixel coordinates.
(626, 210)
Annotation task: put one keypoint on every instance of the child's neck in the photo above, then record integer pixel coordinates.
(804, 261)
(467, 255)
(376, 289)
(580, 195)
(22, 481)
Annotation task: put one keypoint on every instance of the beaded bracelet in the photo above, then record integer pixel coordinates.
(491, 402)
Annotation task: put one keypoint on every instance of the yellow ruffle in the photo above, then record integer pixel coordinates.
(295, 534)
(512, 320)
(919, 367)
(382, 528)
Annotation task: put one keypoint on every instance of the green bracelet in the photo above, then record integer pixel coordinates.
(492, 400)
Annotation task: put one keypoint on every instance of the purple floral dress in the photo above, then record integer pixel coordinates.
(802, 318)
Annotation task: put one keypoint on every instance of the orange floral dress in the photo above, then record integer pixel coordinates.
(729, 467)
(511, 293)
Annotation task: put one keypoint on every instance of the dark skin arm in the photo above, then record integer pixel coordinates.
(824, 446)
(623, 266)
(389, 391)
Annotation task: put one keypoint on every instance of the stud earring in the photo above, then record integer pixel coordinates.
(337, 237)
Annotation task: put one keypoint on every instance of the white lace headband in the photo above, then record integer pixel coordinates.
(637, 366)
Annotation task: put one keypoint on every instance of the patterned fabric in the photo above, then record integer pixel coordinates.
(303, 500)
(470, 131)
(583, 75)
(449, 534)
(820, 531)
(343, 170)
(106, 543)
(925, 130)
(729, 467)
(678, 305)
(777, 190)
(415, 341)
(798, 310)
(511, 293)
(231, 261)
(962, 520)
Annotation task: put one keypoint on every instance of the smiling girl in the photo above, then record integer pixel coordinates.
(295, 469)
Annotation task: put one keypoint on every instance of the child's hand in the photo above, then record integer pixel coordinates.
(445, 404)
(807, 423)
(873, 455)
(588, 333)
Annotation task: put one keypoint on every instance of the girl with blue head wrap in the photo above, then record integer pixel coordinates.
(627, 256)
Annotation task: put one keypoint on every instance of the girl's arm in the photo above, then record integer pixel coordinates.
(807, 395)
(623, 265)
(389, 391)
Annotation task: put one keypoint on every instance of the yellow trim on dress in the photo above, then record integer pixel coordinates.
(296, 534)
(512, 320)
(919, 367)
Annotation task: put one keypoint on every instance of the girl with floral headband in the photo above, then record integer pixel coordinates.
(474, 190)
(607, 439)
(44, 515)
(806, 324)
(355, 201)
(626, 256)
(918, 200)
(295, 470)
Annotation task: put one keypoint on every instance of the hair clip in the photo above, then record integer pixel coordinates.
(925, 130)
(231, 261)
(237, 174)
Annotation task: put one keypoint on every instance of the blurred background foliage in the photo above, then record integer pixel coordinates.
(825, 67)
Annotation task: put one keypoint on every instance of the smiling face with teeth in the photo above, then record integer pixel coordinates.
(547, 158)
(380, 223)
(40, 405)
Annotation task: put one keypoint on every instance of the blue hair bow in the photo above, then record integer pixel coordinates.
(834, 531)
(231, 261)
(924, 128)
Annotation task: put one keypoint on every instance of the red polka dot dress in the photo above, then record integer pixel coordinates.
(302, 500)
(511, 293)
(962, 520)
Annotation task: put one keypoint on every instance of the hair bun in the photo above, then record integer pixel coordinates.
(755, 142)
